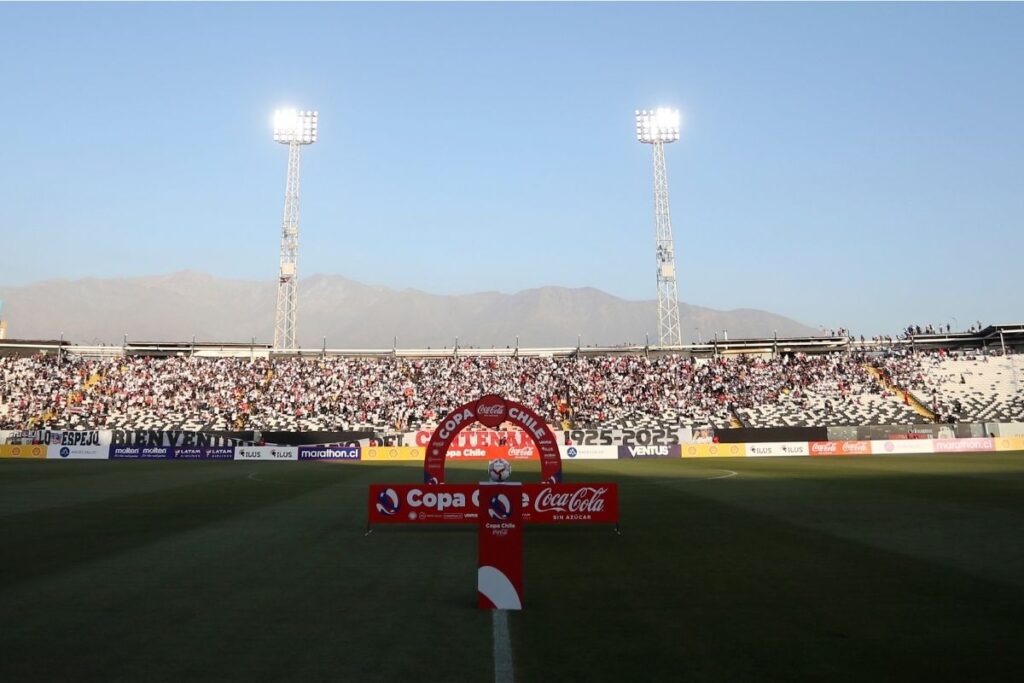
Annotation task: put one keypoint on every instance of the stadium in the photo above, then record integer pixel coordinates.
(825, 506)
(887, 525)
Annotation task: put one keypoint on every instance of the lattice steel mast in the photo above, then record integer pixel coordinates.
(657, 127)
(294, 129)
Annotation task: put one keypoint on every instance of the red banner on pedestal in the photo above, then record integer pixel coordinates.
(499, 574)
(588, 503)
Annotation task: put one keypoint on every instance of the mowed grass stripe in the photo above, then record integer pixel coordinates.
(286, 590)
(697, 589)
(710, 581)
(58, 483)
(56, 537)
(946, 514)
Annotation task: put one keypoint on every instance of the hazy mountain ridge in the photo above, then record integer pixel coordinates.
(176, 306)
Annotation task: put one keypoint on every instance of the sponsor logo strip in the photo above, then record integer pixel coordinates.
(459, 503)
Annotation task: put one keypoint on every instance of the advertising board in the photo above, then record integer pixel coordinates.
(590, 452)
(77, 452)
(976, 445)
(28, 451)
(141, 452)
(827, 448)
(204, 453)
(266, 453)
(902, 446)
(458, 503)
(328, 453)
(637, 452)
(714, 450)
(780, 449)
(1010, 443)
(392, 453)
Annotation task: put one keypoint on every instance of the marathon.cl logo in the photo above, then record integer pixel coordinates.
(65, 451)
(571, 452)
(387, 502)
(500, 507)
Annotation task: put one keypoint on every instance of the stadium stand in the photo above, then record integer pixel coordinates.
(392, 393)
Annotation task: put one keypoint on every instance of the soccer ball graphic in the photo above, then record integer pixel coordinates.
(499, 470)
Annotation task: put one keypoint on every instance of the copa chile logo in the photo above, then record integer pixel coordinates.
(387, 502)
(500, 507)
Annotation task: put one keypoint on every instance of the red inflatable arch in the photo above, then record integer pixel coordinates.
(492, 410)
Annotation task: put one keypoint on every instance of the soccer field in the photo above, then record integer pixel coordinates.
(877, 568)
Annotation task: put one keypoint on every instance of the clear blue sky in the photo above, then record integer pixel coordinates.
(842, 164)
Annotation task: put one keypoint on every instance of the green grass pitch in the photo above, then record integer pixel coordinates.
(878, 568)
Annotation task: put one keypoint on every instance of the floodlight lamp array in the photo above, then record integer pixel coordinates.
(657, 125)
(295, 126)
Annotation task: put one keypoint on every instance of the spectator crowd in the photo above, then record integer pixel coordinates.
(400, 394)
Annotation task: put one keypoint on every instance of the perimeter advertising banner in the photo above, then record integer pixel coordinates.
(590, 452)
(459, 503)
(204, 453)
(1010, 443)
(141, 452)
(826, 448)
(781, 449)
(964, 445)
(714, 450)
(397, 453)
(328, 453)
(29, 451)
(267, 453)
(636, 452)
(902, 446)
(77, 452)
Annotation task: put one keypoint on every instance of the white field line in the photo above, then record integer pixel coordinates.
(252, 476)
(503, 672)
(690, 480)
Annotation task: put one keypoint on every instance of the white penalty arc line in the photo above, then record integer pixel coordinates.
(723, 476)
(252, 476)
(503, 672)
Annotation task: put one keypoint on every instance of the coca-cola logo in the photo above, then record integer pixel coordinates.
(856, 447)
(491, 410)
(824, 447)
(583, 499)
(525, 452)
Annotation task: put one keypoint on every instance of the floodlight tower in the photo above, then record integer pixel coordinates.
(655, 128)
(292, 128)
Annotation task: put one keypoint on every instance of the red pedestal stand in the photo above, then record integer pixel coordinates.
(499, 574)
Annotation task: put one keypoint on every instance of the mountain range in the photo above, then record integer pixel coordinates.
(352, 315)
